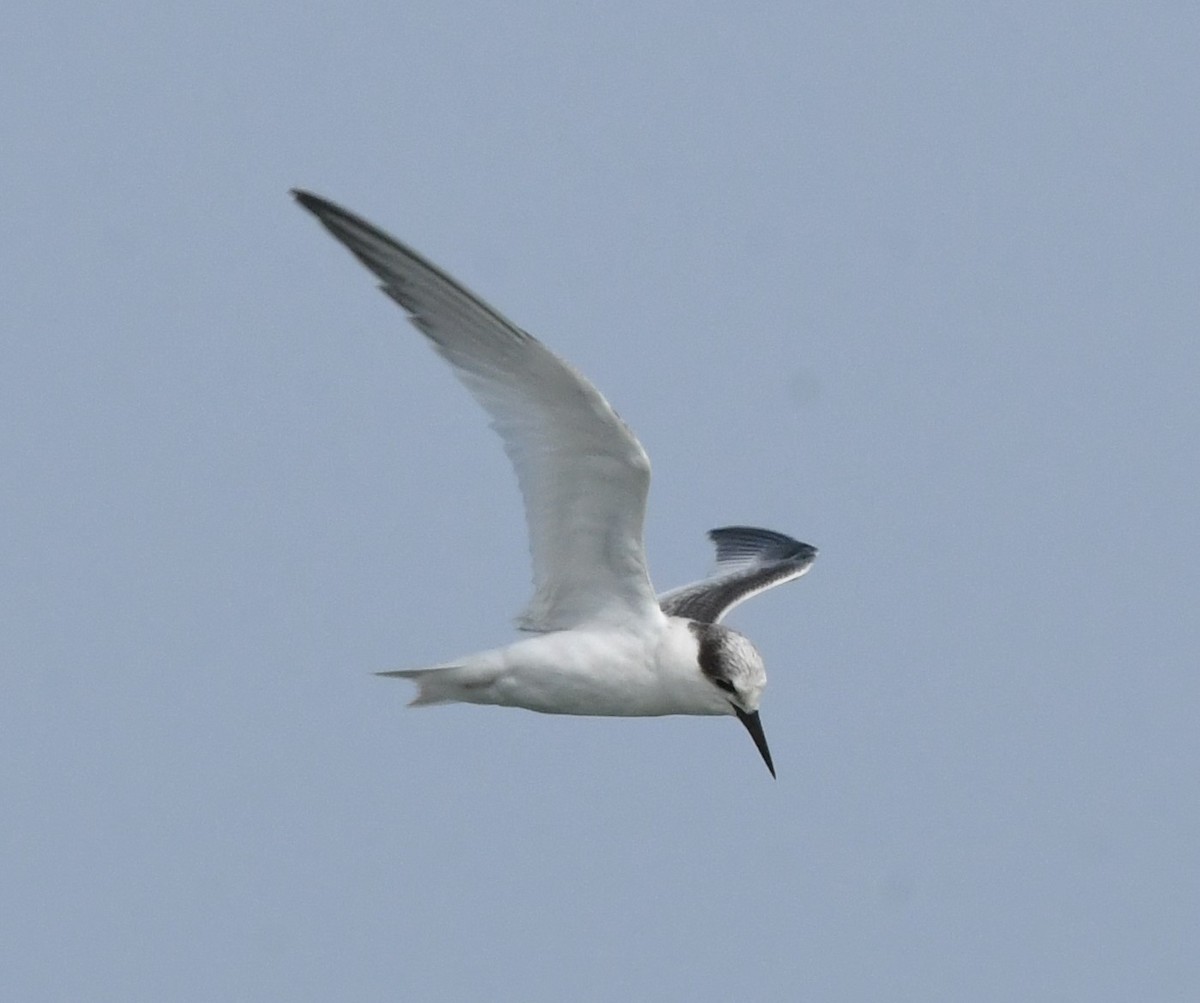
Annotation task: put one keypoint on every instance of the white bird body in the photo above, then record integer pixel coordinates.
(642, 669)
(604, 643)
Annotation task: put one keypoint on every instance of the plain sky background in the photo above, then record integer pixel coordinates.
(916, 283)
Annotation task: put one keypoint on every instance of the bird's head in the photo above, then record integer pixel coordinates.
(733, 666)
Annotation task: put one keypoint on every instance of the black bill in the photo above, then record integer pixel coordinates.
(754, 726)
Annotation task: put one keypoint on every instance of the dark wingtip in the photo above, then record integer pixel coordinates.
(763, 544)
(310, 201)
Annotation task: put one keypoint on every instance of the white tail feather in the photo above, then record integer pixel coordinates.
(447, 684)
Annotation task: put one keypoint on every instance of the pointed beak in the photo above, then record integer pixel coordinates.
(754, 726)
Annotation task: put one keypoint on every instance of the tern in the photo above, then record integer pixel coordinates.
(603, 643)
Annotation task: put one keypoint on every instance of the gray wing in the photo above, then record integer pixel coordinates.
(749, 561)
(583, 474)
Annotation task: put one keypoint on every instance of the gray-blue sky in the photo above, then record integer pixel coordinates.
(917, 285)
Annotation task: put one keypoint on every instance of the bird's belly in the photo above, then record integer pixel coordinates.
(550, 692)
(600, 678)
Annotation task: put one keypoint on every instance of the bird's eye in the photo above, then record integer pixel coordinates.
(725, 684)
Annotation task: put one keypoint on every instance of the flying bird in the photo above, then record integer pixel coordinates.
(603, 643)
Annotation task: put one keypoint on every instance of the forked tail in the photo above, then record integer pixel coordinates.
(447, 684)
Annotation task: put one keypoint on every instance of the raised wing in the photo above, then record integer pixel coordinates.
(749, 561)
(583, 474)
